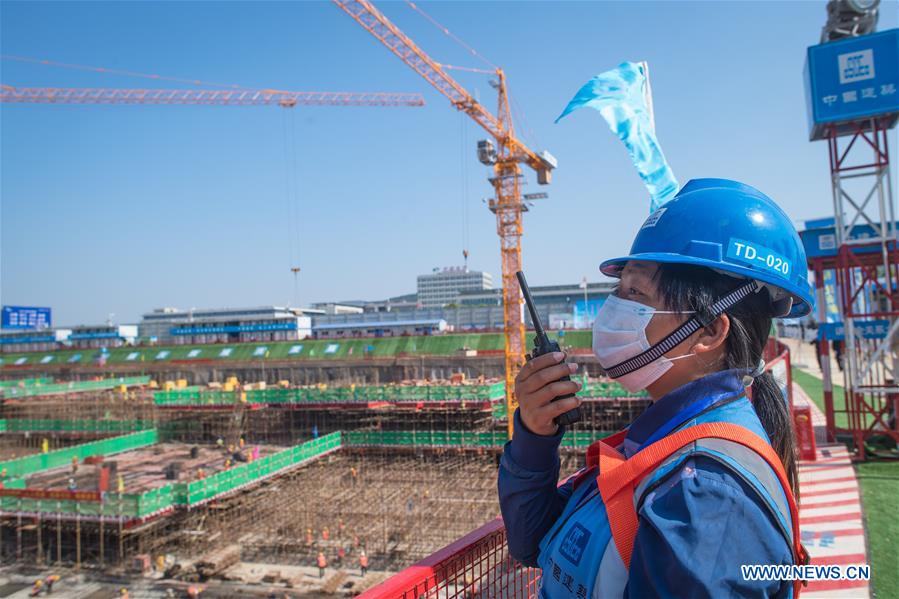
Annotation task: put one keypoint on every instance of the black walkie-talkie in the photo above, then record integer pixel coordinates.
(545, 345)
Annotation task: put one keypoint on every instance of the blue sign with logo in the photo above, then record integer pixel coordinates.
(831, 305)
(819, 238)
(866, 329)
(235, 328)
(28, 339)
(25, 317)
(852, 78)
(103, 335)
(575, 542)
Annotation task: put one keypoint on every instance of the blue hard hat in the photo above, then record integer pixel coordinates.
(732, 228)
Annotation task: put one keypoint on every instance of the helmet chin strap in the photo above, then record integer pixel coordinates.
(781, 300)
(700, 320)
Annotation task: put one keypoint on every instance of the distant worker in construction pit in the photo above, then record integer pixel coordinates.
(705, 480)
(49, 581)
(363, 563)
(322, 564)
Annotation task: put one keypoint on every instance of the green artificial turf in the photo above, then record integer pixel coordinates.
(879, 483)
(814, 388)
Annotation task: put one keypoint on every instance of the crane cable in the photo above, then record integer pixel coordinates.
(466, 234)
(288, 190)
(519, 115)
(106, 71)
(452, 36)
(291, 176)
(463, 143)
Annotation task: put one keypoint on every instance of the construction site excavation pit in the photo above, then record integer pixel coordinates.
(241, 487)
(396, 505)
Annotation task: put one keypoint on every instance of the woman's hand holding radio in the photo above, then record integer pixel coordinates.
(537, 384)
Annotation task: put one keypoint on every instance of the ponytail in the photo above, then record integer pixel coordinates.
(774, 414)
(687, 287)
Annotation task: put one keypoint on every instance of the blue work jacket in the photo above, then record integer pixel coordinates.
(704, 520)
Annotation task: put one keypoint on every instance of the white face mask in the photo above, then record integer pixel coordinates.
(619, 334)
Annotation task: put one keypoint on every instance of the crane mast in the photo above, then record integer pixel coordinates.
(508, 207)
(505, 157)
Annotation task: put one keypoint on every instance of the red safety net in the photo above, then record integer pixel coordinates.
(477, 565)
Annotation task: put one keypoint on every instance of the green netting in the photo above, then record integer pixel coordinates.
(133, 505)
(2, 426)
(360, 394)
(499, 410)
(227, 481)
(608, 389)
(75, 386)
(188, 494)
(155, 500)
(61, 457)
(21, 425)
(370, 393)
(14, 483)
(491, 439)
(575, 339)
(25, 382)
(314, 349)
(114, 505)
(191, 397)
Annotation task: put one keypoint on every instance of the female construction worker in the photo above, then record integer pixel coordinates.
(703, 481)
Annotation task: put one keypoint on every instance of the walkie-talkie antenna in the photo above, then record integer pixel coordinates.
(538, 327)
(544, 345)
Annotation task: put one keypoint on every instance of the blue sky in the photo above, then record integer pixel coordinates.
(121, 209)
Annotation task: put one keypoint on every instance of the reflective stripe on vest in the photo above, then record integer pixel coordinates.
(576, 555)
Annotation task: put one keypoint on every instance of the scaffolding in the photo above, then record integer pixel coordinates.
(387, 463)
(373, 499)
(493, 392)
(324, 394)
(33, 498)
(81, 413)
(863, 263)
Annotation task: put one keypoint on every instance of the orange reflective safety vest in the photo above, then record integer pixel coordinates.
(618, 483)
(619, 477)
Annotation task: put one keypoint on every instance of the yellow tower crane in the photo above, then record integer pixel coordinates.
(505, 153)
